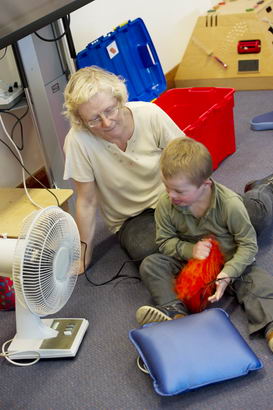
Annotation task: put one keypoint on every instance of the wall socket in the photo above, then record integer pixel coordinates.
(10, 95)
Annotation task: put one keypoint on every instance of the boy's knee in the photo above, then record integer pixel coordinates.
(147, 264)
(158, 264)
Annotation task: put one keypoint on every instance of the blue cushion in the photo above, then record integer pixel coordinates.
(187, 353)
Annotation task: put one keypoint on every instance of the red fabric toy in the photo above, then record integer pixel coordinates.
(193, 283)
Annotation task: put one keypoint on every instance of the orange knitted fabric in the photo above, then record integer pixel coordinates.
(192, 283)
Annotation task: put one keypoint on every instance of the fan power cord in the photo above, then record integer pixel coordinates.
(6, 355)
(116, 275)
(141, 365)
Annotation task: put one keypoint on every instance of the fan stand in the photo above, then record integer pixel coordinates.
(50, 338)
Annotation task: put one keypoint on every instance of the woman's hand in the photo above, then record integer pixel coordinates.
(222, 281)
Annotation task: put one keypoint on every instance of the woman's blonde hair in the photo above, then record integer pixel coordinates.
(187, 157)
(87, 82)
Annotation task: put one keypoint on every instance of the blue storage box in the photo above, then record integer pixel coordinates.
(128, 51)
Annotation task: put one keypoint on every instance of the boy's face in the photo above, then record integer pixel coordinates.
(182, 192)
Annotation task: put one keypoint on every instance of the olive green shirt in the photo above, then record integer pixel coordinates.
(227, 220)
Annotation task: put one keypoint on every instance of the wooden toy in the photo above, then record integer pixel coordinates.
(232, 47)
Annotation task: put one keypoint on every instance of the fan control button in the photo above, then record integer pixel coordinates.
(55, 325)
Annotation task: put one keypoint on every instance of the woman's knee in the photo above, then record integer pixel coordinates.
(259, 207)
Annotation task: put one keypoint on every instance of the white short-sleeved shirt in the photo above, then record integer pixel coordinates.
(127, 182)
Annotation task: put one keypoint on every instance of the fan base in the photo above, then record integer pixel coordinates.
(66, 344)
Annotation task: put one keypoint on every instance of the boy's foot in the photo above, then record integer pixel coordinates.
(149, 314)
(264, 181)
(269, 338)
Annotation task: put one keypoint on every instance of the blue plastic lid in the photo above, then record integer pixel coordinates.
(262, 122)
(128, 51)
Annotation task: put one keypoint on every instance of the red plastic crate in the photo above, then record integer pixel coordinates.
(205, 114)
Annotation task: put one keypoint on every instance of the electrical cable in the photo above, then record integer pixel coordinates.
(21, 162)
(7, 355)
(32, 176)
(202, 296)
(251, 293)
(116, 275)
(56, 38)
(235, 278)
(141, 365)
(18, 121)
(5, 52)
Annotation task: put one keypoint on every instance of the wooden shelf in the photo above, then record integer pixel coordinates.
(15, 206)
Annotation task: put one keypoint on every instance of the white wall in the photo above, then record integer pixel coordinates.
(170, 24)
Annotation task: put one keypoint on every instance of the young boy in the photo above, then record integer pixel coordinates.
(194, 207)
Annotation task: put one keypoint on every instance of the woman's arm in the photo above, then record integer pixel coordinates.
(86, 205)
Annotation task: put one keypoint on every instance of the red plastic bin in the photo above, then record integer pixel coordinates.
(205, 114)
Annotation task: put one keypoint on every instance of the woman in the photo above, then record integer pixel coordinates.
(112, 154)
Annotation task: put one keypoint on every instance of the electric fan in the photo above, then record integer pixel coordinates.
(43, 263)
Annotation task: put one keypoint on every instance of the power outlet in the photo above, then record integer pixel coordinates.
(9, 95)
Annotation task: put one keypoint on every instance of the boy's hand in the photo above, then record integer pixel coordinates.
(221, 283)
(201, 249)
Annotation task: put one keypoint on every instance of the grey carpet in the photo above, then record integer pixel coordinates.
(104, 375)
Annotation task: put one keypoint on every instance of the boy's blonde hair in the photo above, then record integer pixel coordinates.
(188, 157)
(87, 82)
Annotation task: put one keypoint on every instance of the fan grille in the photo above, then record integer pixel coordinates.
(47, 258)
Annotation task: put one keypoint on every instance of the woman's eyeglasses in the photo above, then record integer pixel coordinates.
(110, 113)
